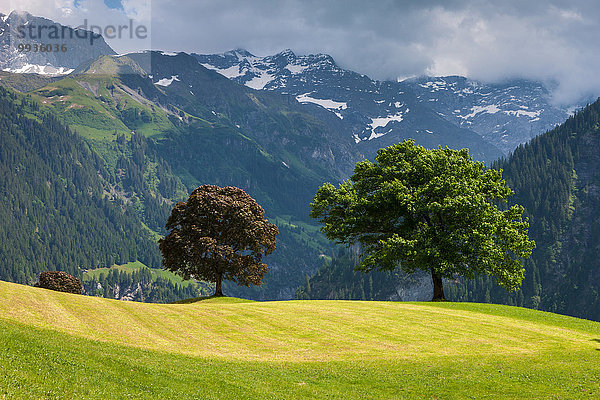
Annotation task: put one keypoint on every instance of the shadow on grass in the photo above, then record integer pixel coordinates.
(195, 299)
(596, 340)
(221, 299)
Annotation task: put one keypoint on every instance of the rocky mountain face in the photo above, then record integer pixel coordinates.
(337, 280)
(30, 44)
(505, 115)
(491, 119)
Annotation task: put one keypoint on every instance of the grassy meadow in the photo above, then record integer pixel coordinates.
(135, 266)
(62, 346)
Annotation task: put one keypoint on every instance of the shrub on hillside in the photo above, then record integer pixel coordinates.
(60, 281)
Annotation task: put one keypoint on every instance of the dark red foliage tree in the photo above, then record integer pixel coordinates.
(60, 281)
(219, 233)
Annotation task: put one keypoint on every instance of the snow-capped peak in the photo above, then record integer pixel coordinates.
(271, 72)
(47, 69)
(504, 115)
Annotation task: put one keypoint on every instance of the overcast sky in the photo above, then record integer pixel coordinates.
(555, 41)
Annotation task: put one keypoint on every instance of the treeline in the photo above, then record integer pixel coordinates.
(54, 212)
(141, 285)
(337, 279)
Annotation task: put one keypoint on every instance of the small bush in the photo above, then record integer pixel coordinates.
(60, 281)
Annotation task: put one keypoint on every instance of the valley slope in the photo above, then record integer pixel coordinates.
(157, 142)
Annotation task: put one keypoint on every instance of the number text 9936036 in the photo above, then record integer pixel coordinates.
(41, 48)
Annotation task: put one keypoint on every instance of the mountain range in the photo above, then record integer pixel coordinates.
(24, 42)
(429, 109)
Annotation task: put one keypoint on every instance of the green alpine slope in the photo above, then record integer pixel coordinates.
(54, 211)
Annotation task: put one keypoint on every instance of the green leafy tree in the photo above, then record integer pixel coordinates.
(433, 210)
(219, 233)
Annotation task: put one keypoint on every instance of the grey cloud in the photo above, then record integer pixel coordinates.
(551, 40)
(556, 41)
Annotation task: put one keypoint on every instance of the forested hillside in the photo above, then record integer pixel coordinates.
(556, 177)
(54, 212)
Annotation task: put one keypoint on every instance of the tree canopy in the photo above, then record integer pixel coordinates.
(433, 210)
(219, 233)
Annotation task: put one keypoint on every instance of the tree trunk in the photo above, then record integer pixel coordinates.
(438, 287)
(219, 286)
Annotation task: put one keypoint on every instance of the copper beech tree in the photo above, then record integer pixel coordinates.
(219, 233)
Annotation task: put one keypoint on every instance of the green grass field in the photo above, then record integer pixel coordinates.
(134, 266)
(62, 346)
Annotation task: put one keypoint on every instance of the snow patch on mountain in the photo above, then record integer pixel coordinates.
(259, 82)
(325, 103)
(489, 109)
(523, 113)
(382, 122)
(231, 72)
(40, 69)
(296, 69)
(331, 105)
(494, 108)
(434, 86)
(167, 81)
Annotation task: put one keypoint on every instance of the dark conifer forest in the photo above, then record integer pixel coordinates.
(556, 177)
(55, 214)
